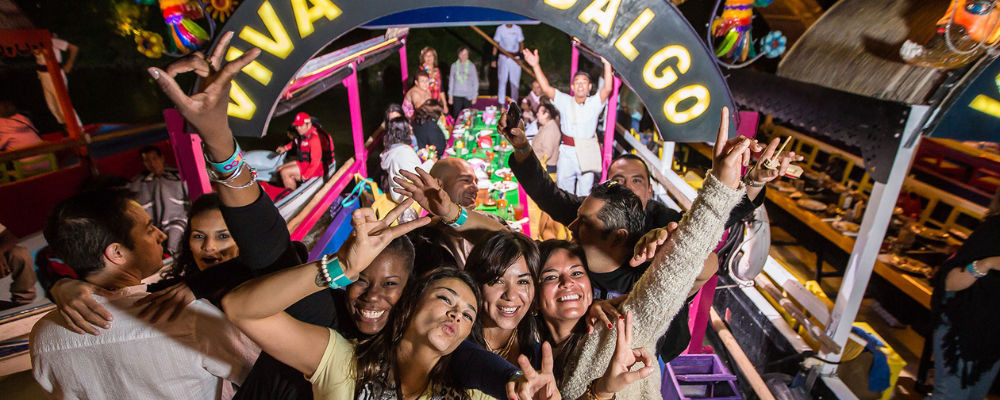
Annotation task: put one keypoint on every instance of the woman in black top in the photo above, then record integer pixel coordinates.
(426, 128)
(965, 301)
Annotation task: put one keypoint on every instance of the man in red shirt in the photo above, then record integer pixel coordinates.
(307, 162)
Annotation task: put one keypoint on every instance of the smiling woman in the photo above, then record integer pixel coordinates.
(506, 267)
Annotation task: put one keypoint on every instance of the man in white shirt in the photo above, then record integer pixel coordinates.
(110, 241)
(510, 38)
(579, 115)
(58, 47)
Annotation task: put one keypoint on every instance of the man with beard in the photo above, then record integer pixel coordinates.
(438, 244)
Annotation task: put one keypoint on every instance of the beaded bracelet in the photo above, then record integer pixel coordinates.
(463, 215)
(230, 165)
(971, 268)
(335, 272)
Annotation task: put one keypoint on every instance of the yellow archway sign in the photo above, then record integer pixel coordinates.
(648, 42)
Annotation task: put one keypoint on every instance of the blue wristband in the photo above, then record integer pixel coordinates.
(463, 216)
(230, 165)
(338, 279)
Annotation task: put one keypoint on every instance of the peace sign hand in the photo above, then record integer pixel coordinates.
(535, 385)
(731, 155)
(205, 110)
(619, 374)
(371, 236)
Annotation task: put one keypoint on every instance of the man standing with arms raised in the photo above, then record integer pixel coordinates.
(578, 119)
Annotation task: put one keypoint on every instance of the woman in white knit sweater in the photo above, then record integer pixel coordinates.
(565, 295)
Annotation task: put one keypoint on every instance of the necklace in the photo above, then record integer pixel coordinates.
(505, 350)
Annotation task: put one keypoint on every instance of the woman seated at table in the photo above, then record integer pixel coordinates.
(546, 142)
(506, 268)
(428, 126)
(399, 155)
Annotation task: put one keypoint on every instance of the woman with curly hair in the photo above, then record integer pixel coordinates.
(429, 64)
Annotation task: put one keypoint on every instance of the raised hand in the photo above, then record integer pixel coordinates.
(371, 235)
(530, 57)
(205, 110)
(75, 302)
(535, 385)
(650, 243)
(619, 374)
(424, 189)
(761, 175)
(514, 135)
(173, 299)
(730, 156)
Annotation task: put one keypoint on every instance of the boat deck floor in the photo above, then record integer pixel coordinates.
(906, 341)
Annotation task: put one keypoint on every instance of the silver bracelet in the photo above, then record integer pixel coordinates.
(751, 183)
(227, 181)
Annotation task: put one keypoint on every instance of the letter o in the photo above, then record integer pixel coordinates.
(698, 92)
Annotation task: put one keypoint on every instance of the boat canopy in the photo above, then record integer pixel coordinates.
(437, 17)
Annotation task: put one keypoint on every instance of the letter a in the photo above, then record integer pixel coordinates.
(281, 45)
(602, 11)
(305, 16)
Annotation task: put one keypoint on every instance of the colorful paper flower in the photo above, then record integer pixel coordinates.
(221, 9)
(150, 44)
(774, 44)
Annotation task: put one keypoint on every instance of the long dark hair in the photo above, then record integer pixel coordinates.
(376, 357)
(430, 111)
(184, 264)
(487, 263)
(563, 351)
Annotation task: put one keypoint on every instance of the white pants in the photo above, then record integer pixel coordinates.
(508, 72)
(51, 98)
(568, 175)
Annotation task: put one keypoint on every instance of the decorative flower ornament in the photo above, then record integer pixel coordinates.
(774, 44)
(221, 9)
(150, 44)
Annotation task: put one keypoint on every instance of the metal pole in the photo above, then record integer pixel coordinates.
(574, 63)
(870, 236)
(403, 68)
(610, 118)
(357, 131)
(188, 154)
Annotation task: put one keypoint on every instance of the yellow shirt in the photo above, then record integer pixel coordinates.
(334, 377)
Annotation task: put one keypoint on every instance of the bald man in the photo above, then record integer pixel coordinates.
(458, 178)
(439, 242)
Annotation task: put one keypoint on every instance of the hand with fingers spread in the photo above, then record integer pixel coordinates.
(604, 312)
(650, 243)
(371, 236)
(75, 301)
(530, 57)
(425, 190)
(731, 155)
(172, 300)
(205, 110)
(760, 175)
(619, 373)
(535, 385)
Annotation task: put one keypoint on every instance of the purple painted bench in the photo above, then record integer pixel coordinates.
(698, 376)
